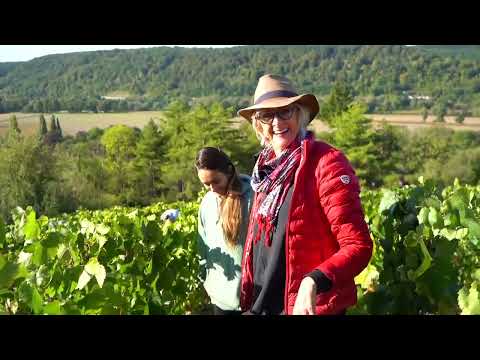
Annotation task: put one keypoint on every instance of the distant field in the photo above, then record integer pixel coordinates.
(412, 122)
(73, 123)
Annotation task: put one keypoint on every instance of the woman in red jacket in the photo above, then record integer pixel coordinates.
(307, 237)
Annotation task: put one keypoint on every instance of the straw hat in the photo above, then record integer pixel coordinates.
(277, 91)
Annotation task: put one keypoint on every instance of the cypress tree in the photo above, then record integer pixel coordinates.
(42, 127)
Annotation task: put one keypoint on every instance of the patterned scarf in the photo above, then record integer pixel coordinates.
(271, 179)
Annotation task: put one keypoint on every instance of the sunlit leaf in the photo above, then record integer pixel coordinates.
(83, 280)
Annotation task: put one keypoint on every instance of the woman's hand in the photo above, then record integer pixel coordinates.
(306, 297)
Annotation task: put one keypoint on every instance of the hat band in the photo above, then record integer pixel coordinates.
(274, 94)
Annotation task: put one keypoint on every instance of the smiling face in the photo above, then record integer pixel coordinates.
(214, 180)
(279, 126)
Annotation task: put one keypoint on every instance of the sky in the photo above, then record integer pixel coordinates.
(28, 52)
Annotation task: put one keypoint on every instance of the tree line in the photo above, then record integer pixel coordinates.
(385, 77)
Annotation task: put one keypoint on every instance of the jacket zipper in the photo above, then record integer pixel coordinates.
(300, 168)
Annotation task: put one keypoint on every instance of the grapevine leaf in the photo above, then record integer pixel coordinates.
(83, 280)
(31, 228)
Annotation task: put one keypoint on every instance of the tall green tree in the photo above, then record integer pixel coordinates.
(53, 124)
(245, 147)
(54, 133)
(354, 135)
(460, 117)
(187, 129)
(59, 129)
(419, 146)
(119, 142)
(13, 129)
(440, 110)
(42, 127)
(84, 175)
(424, 114)
(29, 176)
(338, 101)
(147, 164)
(461, 164)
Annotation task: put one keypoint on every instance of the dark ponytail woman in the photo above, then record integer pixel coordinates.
(222, 226)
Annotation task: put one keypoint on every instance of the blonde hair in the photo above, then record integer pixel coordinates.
(303, 118)
(231, 212)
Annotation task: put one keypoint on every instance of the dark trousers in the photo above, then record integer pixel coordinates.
(218, 311)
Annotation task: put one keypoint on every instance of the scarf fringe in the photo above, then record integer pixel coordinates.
(265, 226)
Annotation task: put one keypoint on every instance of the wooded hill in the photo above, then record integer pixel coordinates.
(385, 77)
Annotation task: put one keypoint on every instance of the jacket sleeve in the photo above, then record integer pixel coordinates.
(339, 193)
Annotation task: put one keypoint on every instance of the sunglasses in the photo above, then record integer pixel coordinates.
(266, 117)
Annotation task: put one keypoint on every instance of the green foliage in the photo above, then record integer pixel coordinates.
(29, 176)
(242, 151)
(14, 131)
(59, 129)
(3, 232)
(417, 148)
(14, 124)
(424, 114)
(372, 153)
(147, 164)
(120, 165)
(152, 78)
(119, 142)
(127, 261)
(469, 300)
(53, 124)
(352, 134)
(427, 253)
(118, 261)
(467, 51)
(337, 102)
(42, 127)
(54, 134)
(440, 110)
(460, 117)
(440, 154)
(187, 130)
(462, 164)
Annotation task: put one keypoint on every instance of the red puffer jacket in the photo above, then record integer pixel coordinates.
(326, 230)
